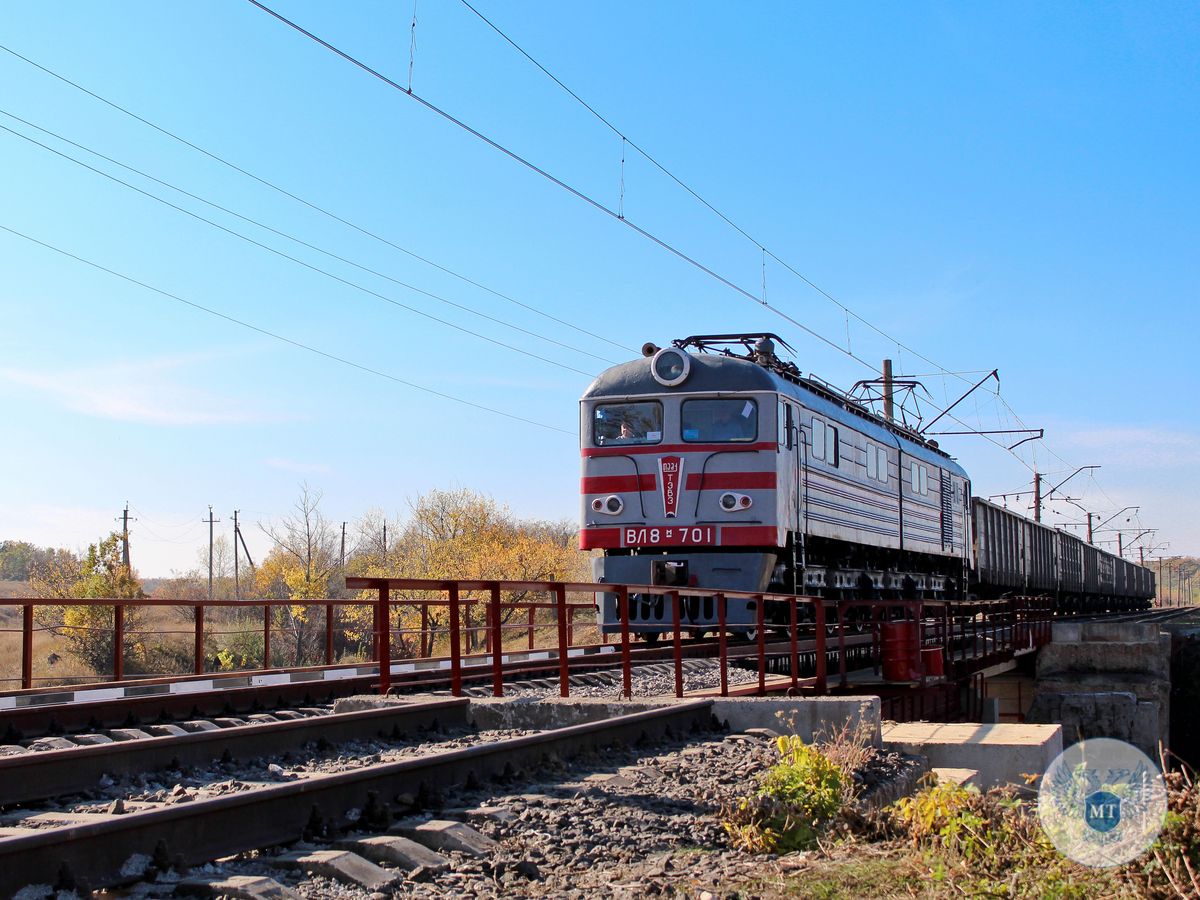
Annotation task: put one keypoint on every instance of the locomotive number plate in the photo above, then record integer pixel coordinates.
(669, 536)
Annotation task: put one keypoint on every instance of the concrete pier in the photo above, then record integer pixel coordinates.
(1106, 679)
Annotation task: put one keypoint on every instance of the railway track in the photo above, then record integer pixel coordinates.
(97, 849)
(29, 715)
(104, 707)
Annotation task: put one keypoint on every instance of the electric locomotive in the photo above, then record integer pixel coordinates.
(730, 470)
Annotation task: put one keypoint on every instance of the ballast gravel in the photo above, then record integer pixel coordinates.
(161, 788)
(633, 823)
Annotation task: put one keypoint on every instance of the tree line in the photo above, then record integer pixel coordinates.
(447, 534)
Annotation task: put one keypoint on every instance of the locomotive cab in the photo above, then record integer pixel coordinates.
(678, 484)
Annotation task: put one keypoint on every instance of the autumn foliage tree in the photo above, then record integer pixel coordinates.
(300, 565)
(88, 630)
(463, 534)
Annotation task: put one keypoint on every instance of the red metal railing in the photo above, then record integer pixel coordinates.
(969, 635)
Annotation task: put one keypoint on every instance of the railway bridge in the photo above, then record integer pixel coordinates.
(968, 660)
(455, 649)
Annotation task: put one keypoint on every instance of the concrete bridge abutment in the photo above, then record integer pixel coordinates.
(1106, 679)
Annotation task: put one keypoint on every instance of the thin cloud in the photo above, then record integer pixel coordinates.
(1138, 446)
(303, 468)
(138, 392)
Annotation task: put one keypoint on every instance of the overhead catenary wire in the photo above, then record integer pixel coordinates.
(755, 241)
(290, 237)
(692, 191)
(533, 167)
(311, 205)
(258, 329)
(404, 250)
(297, 260)
(586, 198)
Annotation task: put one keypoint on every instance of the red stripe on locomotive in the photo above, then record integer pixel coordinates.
(616, 484)
(730, 481)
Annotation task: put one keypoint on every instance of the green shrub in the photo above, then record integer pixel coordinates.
(798, 795)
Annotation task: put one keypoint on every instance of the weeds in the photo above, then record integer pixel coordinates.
(798, 795)
(1172, 868)
(988, 844)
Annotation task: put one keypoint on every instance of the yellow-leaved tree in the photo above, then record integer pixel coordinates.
(87, 631)
(299, 567)
(462, 534)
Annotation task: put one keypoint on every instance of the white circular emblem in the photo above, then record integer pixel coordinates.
(1102, 802)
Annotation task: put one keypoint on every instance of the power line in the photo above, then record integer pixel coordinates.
(693, 192)
(286, 340)
(626, 140)
(309, 204)
(487, 140)
(296, 260)
(533, 167)
(588, 199)
(287, 236)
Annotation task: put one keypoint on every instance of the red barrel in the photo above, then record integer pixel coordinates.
(901, 651)
(931, 659)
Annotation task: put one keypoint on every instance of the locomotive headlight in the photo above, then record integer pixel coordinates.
(610, 505)
(734, 502)
(670, 366)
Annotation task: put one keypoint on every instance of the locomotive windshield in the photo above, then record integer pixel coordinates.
(718, 421)
(627, 423)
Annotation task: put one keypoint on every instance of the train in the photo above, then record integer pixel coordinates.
(714, 463)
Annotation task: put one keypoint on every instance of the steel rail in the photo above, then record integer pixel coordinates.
(53, 773)
(95, 853)
(37, 719)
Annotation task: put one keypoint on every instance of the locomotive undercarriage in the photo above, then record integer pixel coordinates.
(837, 570)
(833, 570)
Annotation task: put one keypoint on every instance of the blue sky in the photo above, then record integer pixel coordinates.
(991, 185)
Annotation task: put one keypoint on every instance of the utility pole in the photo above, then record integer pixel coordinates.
(1141, 556)
(1037, 496)
(1090, 541)
(238, 536)
(1120, 545)
(125, 535)
(385, 539)
(889, 407)
(343, 556)
(211, 521)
